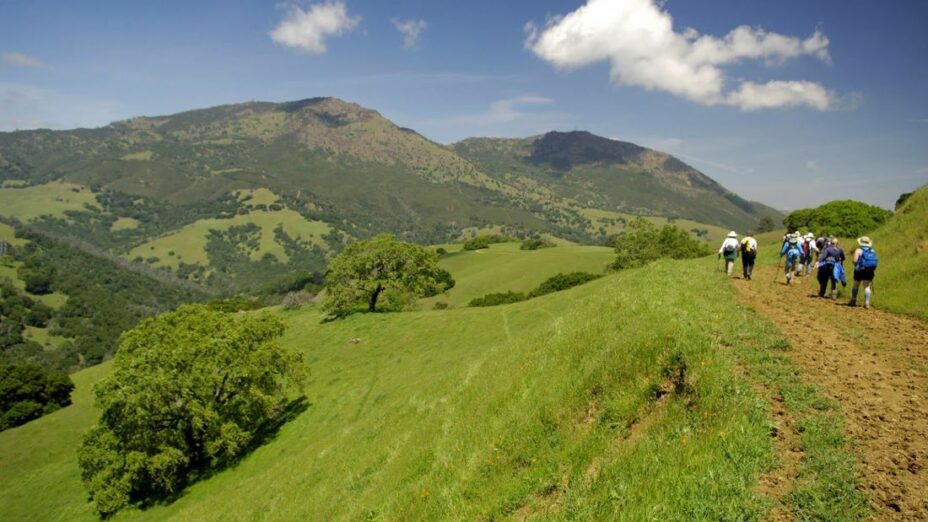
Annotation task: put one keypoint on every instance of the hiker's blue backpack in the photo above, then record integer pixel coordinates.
(867, 258)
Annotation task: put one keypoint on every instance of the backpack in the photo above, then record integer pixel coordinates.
(820, 243)
(805, 248)
(867, 258)
(729, 249)
(747, 247)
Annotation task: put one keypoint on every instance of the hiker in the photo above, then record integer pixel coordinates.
(748, 255)
(729, 249)
(865, 262)
(832, 256)
(792, 250)
(813, 250)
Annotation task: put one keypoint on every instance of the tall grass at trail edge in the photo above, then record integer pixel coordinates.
(616, 400)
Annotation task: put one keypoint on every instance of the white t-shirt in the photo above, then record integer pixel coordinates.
(729, 241)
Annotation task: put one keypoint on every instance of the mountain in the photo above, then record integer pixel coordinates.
(612, 175)
(235, 195)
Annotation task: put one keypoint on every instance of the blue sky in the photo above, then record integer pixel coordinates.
(805, 103)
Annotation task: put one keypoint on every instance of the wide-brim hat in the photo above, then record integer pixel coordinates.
(732, 234)
(810, 235)
(864, 241)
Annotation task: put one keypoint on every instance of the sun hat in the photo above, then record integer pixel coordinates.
(864, 241)
(809, 235)
(732, 234)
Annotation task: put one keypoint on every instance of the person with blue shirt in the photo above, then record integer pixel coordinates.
(792, 250)
(832, 256)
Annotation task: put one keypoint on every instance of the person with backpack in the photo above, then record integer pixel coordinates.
(792, 250)
(729, 249)
(814, 251)
(832, 255)
(748, 255)
(865, 262)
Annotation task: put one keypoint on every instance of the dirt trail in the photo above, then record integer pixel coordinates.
(875, 365)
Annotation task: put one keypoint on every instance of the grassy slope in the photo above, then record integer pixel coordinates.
(53, 199)
(189, 243)
(540, 409)
(901, 283)
(505, 267)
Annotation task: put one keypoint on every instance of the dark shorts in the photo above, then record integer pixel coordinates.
(864, 274)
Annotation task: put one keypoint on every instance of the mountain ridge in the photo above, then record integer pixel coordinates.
(354, 170)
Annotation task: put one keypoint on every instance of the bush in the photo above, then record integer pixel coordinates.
(480, 242)
(297, 300)
(235, 304)
(190, 390)
(838, 218)
(562, 282)
(28, 391)
(441, 305)
(642, 242)
(498, 299)
(535, 244)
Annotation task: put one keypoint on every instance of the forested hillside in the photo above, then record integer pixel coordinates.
(233, 197)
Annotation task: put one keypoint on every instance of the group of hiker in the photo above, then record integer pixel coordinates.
(802, 254)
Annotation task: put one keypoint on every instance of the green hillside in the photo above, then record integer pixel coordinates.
(504, 267)
(580, 404)
(149, 186)
(901, 284)
(612, 175)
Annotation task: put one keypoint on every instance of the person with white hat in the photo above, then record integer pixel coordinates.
(865, 262)
(748, 255)
(812, 251)
(792, 249)
(729, 249)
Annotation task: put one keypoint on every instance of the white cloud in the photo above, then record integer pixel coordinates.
(638, 39)
(307, 30)
(505, 111)
(411, 31)
(20, 60)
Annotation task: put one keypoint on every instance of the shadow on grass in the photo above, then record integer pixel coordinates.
(264, 435)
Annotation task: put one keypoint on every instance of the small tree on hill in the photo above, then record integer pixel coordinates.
(766, 224)
(361, 274)
(191, 389)
(642, 242)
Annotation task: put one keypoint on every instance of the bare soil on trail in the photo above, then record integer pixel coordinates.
(875, 366)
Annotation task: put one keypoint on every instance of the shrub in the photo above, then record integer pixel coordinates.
(235, 304)
(441, 305)
(190, 390)
(642, 242)
(498, 299)
(839, 218)
(562, 282)
(297, 300)
(480, 242)
(28, 391)
(535, 244)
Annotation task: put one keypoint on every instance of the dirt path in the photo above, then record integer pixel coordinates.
(875, 365)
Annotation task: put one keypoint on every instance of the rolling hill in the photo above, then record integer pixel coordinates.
(580, 404)
(328, 171)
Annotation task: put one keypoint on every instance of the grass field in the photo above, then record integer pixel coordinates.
(124, 223)
(8, 270)
(901, 283)
(188, 244)
(52, 199)
(504, 267)
(9, 235)
(591, 403)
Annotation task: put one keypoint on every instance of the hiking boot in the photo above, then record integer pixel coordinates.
(852, 303)
(866, 306)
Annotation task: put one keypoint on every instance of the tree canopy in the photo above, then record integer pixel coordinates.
(367, 270)
(190, 390)
(28, 391)
(840, 218)
(642, 242)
